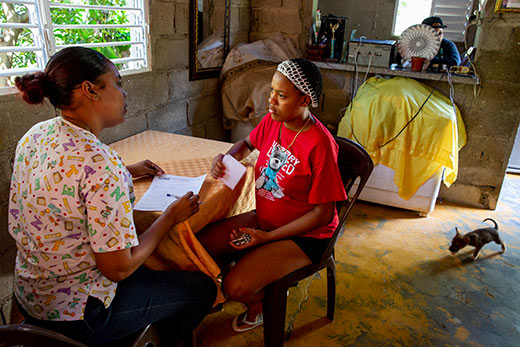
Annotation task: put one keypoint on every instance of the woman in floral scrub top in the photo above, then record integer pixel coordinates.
(78, 266)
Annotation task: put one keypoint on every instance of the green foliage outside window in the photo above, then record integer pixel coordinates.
(14, 13)
(79, 36)
(17, 13)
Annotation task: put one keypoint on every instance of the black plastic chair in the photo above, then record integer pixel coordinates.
(31, 336)
(28, 335)
(353, 162)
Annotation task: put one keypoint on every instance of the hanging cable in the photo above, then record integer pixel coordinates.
(406, 125)
(452, 92)
(356, 55)
(476, 22)
(368, 67)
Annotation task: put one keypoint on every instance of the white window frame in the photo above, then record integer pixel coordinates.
(454, 14)
(45, 45)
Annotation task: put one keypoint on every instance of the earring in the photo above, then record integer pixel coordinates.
(96, 97)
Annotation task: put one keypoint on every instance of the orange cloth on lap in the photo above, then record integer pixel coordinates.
(171, 253)
(186, 156)
(180, 249)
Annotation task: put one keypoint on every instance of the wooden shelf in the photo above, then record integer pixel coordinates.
(434, 76)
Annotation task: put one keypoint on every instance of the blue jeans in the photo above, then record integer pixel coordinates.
(177, 300)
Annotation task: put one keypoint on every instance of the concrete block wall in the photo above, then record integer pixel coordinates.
(240, 22)
(162, 99)
(290, 17)
(492, 117)
(373, 19)
(337, 93)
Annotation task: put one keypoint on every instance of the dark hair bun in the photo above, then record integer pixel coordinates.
(34, 87)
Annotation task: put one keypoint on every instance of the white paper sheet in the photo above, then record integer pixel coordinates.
(165, 189)
(234, 171)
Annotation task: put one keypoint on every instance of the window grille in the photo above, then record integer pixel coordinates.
(454, 14)
(31, 31)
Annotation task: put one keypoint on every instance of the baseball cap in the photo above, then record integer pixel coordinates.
(431, 20)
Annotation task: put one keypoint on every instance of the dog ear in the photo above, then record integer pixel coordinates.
(457, 231)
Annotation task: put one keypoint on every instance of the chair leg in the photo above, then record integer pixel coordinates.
(274, 309)
(331, 288)
(148, 337)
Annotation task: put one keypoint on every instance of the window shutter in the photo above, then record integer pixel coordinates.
(454, 14)
(126, 17)
(21, 39)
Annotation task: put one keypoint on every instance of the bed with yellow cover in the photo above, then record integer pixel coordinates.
(413, 132)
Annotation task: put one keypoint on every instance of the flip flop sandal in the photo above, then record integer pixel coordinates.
(250, 325)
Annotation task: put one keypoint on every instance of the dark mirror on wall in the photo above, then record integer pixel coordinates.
(209, 37)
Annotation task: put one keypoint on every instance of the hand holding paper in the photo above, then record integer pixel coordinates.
(234, 171)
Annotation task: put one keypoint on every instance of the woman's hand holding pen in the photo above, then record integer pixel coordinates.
(179, 197)
(184, 207)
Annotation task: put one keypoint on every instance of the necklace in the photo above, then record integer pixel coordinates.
(295, 136)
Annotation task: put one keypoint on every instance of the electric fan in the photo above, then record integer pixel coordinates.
(419, 40)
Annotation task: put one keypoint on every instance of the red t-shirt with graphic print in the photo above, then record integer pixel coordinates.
(298, 178)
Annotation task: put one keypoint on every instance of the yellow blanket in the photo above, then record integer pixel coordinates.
(382, 108)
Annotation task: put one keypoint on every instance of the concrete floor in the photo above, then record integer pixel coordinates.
(398, 285)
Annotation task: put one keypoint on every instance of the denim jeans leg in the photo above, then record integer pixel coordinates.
(77, 330)
(179, 300)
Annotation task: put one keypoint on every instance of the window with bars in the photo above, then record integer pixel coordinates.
(454, 14)
(31, 31)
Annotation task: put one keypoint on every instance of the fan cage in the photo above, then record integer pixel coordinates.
(419, 40)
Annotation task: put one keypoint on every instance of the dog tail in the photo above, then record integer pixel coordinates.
(496, 225)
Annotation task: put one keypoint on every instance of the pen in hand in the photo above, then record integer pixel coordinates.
(178, 197)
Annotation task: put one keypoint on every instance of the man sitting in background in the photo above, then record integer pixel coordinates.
(448, 53)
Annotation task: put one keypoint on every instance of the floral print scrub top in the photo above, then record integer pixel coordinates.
(70, 196)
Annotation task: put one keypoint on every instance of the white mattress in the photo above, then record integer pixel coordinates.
(381, 189)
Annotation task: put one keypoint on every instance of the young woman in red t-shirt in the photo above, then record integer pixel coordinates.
(297, 184)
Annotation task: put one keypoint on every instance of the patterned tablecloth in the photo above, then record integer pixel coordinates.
(186, 156)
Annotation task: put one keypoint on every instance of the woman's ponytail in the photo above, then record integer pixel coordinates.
(34, 87)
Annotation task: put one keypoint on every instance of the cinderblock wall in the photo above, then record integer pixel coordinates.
(290, 17)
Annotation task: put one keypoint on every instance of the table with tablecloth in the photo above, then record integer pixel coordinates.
(186, 156)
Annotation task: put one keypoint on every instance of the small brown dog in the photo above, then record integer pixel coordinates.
(476, 238)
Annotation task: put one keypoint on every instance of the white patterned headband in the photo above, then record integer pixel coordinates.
(295, 74)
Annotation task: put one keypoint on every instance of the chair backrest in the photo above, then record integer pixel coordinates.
(353, 162)
(31, 336)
